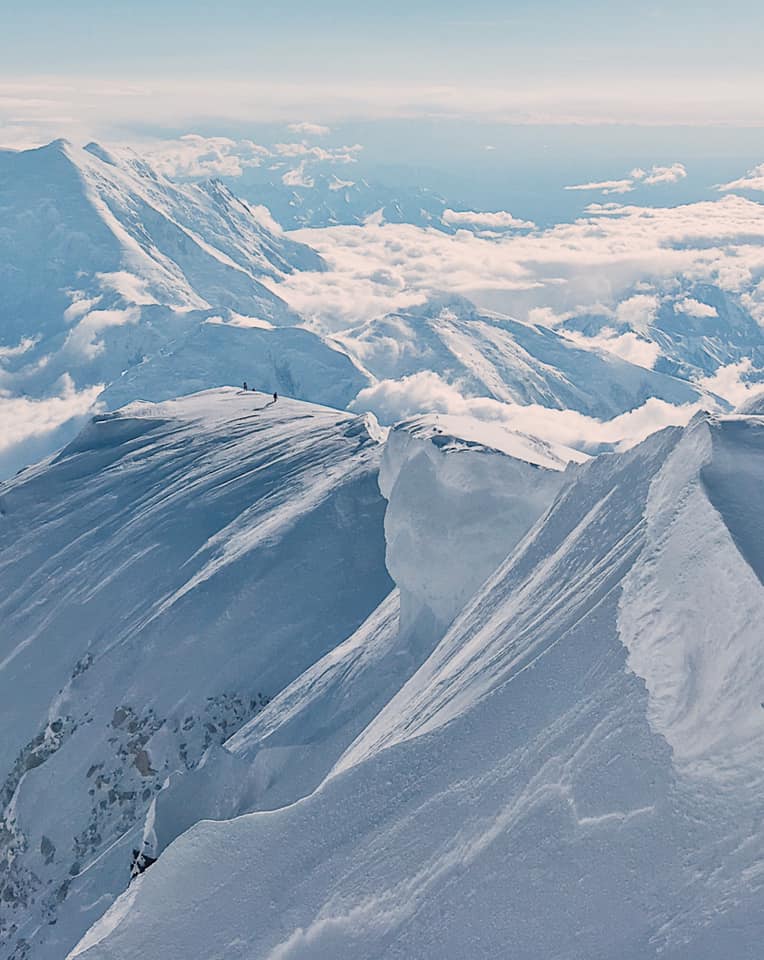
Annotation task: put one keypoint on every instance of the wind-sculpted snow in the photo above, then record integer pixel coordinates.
(576, 770)
(163, 578)
(455, 510)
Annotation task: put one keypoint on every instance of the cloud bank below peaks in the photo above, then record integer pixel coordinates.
(32, 427)
(193, 157)
(426, 393)
(615, 261)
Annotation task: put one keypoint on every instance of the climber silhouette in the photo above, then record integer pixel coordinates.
(141, 862)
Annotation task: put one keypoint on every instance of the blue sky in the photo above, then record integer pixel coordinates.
(551, 44)
(565, 91)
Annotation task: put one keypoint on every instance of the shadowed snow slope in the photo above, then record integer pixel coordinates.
(163, 577)
(575, 772)
(456, 508)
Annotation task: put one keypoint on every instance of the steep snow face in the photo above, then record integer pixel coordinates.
(288, 748)
(163, 577)
(541, 784)
(455, 510)
(495, 356)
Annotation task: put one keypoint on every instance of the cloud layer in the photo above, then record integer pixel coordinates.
(395, 400)
(193, 156)
(500, 220)
(753, 180)
(596, 263)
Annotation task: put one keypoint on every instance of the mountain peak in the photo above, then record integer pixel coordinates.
(96, 150)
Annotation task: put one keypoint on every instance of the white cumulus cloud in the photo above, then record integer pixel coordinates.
(657, 174)
(25, 417)
(307, 129)
(753, 180)
(628, 346)
(498, 220)
(729, 382)
(695, 308)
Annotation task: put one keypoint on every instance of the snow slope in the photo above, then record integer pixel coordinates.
(495, 356)
(575, 771)
(455, 510)
(439, 549)
(163, 577)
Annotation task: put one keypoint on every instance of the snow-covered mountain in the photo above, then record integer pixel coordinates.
(545, 729)
(162, 578)
(574, 771)
(107, 268)
(448, 689)
(492, 355)
(697, 329)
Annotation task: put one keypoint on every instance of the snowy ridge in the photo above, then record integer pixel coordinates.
(545, 779)
(219, 545)
(288, 748)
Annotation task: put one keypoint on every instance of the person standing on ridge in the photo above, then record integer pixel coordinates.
(245, 386)
(275, 396)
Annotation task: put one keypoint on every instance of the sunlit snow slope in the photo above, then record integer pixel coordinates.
(577, 771)
(161, 579)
